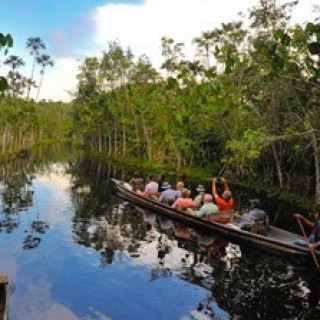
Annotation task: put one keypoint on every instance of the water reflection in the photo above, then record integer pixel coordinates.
(98, 256)
(17, 199)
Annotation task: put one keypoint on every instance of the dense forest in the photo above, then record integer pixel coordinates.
(248, 102)
(25, 121)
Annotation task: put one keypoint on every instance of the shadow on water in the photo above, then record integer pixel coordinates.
(231, 282)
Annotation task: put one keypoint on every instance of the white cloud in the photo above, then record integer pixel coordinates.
(59, 80)
(141, 27)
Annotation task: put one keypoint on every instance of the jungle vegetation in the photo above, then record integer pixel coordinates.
(25, 121)
(248, 101)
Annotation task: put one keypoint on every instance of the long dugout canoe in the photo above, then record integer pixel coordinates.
(278, 241)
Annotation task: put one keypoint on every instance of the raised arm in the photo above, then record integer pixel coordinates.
(214, 188)
(304, 220)
(225, 185)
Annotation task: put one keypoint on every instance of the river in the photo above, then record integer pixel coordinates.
(73, 250)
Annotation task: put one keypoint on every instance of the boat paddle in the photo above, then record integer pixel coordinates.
(306, 239)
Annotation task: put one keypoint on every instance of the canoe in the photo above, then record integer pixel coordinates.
(4, 297)
(278, 241)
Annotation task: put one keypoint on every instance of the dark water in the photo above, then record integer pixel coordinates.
(73, 250)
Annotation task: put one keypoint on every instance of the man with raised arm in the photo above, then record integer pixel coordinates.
(225, 202)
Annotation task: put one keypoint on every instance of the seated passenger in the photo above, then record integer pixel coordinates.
(137, 182)
(180, 186)
(169, 195)
(208, 209)
(161, 181)
(185, 202)
(255, 216)
(152, 187)
(198, 200)
(225, 202)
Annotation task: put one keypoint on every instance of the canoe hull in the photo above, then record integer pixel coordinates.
(239, 236)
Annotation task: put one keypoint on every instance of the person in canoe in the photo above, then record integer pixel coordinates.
(256, 220)
(137, 182)
(208, 208)
(198, 200)
(169, 195)
(209, 211)
(151, 188)
(225, 202)
(161, 181)
(180, 186)
(314, 238)
(184, 202)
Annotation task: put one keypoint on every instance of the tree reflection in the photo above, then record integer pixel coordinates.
(240, 285)
(18, 197)
(260, 287)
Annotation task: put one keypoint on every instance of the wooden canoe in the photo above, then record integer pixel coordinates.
(4, 297)
(278, 241)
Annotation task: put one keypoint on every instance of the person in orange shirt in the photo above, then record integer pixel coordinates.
(225, 202)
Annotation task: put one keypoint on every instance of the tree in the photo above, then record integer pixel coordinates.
(16, 80)
(14, 62)
(35, 44)
(44, 61)
(6, 42)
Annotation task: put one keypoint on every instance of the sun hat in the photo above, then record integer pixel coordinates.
(200, 188)
(166, 185)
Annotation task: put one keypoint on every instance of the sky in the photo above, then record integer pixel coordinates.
(75, 29)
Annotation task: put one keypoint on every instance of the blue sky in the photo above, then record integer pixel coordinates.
(75, 29)
(67, 21)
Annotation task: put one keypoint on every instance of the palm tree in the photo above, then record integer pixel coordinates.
(204, 44)
(14, 62)
(35, 44)
(44, 60)
(14, 77)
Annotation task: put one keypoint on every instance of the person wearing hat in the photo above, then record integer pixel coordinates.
(256, 217)
(169, 195)
(161, 181)
(225, 202)
(198, 200)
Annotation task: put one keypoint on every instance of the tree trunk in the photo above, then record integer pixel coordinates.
(99, 139)
(40, 85)
(316, 165)
(115, 139)
(278, 165)
(110, 142)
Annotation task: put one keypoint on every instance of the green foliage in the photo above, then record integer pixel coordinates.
(314, 48)
(6, 42)
(250, 99)
(3, 83)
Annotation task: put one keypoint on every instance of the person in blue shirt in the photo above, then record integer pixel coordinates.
(255, 214)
